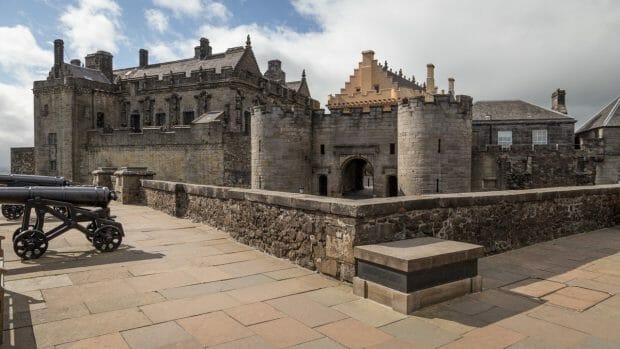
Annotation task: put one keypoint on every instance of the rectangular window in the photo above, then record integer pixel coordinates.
(539, 136)
(504, 138)
(51, 139)
(439, 145)
(52, 165)
(392, 148)
(376, 87)
(322, 149)
(160, 119)
(100, 120)
(188, 117)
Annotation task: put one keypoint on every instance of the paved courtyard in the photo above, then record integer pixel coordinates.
(178, 284)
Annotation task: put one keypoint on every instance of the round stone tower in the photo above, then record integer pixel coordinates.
(434, 145)
(281, 149)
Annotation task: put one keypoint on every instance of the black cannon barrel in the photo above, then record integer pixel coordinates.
(79, 196)
(19, 180)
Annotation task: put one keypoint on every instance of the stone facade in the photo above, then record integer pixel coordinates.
(187, 120)
(599, 138)
(320, 233)
(22, 160)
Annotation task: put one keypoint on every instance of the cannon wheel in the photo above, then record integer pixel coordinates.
(30, 244)
(12, 212)
(20, 229)
(107, 238)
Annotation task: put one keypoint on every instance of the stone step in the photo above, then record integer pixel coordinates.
(410, 274)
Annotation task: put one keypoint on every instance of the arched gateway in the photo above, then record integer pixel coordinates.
(357, 178)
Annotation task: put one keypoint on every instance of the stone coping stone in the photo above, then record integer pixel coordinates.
(418, 254)
(380, 206)
(134, 171)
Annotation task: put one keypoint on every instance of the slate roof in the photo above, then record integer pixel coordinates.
(514, 110)
(294, 85)
(609, 116)
(208, 117)
(86, 73)
(217, 61)
(402, 82)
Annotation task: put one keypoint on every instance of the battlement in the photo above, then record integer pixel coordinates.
(282, 111)
(438, 102)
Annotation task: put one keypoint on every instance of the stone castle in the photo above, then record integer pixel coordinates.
(216, 119)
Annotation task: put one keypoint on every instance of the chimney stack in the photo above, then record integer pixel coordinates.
(144, 57)
(451, 86)
(558, 101)
(76, 62)
(102, 61)
(59, 57)
(205, 49)
(59, 52)
(430, 82)
(197, 52)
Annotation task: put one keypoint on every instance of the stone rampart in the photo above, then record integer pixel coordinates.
(320, 232)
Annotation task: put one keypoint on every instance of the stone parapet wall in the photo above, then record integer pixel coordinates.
(22, 160)
(320, 232)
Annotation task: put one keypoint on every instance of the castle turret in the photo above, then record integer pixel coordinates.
(434, 145)
(281, 149)
(102, 61)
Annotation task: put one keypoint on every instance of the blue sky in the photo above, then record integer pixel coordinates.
(494, 49)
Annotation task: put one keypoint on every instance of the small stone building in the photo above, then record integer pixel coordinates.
(519, 145)
(599, 138)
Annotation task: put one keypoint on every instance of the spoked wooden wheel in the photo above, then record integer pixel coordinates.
(30, 244)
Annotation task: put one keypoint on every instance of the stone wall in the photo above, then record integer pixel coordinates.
(530, 166)
(22, 160)
(349, 136)
(320, 232)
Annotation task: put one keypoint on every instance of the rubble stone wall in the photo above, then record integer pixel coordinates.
(320, 232)
(22, 160)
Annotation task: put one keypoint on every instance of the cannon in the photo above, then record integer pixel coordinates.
(13, 212)
(81, 204)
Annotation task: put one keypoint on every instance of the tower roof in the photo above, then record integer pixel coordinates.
(609, 116)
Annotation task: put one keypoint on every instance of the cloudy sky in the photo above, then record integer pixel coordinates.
(494, 49)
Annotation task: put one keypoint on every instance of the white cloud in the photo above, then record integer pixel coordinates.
(21, 60)
(92, 25)
(494, 50)
(20, 55)
(213, 10)
(156, 20)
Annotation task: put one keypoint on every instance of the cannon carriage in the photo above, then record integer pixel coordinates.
(73, 206)
(14, 212)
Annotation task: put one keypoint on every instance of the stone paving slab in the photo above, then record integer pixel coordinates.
(175, 283)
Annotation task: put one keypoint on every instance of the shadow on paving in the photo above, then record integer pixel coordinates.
(518, 281)
(16, 315)
(53, 260)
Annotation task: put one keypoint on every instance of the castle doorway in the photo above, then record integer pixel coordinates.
(134, 123)
(357, 179)
(392, 186)
(323, 185)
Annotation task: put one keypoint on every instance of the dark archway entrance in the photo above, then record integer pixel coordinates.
(357, 179)
(392, 186)
(323, 185)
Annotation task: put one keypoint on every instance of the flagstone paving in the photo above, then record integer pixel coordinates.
(179, 284)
